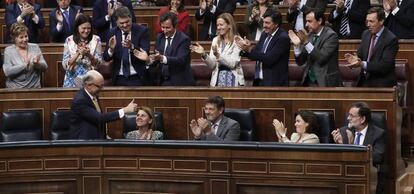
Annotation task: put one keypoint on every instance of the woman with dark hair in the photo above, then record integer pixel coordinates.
(145, 126)
(306, 123)
(23, 61)
(82, 52)
(224, 56)
(254, 17)
(177, 7)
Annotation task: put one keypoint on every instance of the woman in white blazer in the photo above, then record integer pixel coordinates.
(224, 55)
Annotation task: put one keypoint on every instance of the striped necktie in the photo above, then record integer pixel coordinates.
(345, 21)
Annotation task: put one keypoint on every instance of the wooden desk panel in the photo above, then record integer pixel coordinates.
(181, 104)
(182, 167)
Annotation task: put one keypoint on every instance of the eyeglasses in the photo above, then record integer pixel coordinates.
(352, 116)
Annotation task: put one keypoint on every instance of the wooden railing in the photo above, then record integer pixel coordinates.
(115, 167)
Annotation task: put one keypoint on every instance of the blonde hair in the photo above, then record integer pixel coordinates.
(228, 18)
(17, 29)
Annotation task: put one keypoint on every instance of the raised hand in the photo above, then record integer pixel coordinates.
(111, 10)
(389, 5)
(294, 38)
(243, 43)
(353, 60)
(197, 131)
(27, 10)
(255, 12)
(141, 54)
(112, 43)
(204, 125)
(59, 16)
(337, 137)
(215, 52)
(279, 128)
(197, 48)
(131, 107)
(339, 5)
(293, 4)
(78, 13)
(303, 36)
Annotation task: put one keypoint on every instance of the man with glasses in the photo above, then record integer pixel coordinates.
(88, 119)
(366, 133)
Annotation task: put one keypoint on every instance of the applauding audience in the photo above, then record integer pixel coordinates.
(82, 52)
(23, 61)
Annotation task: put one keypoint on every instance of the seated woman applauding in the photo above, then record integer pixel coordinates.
(23, 61)
(224, 57)
(305, 123)
(82, 52)
(145, 125)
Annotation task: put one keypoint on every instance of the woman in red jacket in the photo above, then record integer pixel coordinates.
(177, 7)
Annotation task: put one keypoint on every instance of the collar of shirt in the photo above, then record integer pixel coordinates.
(378, 34)
(320, 32)
(172, 37)
(62, 10)
(90, 95)
(217, 122)
(363, 132)
(273, 34)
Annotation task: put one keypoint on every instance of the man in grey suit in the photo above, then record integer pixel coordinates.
(376, 54)
(318, 50)
(214, 126)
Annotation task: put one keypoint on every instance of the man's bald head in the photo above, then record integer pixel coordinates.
(93, 82)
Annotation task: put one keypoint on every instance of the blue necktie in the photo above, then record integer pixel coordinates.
(125, 58)
(356, 142)
(264, 48)
(67, 19)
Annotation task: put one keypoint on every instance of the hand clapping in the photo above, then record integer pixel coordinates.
(353, 60)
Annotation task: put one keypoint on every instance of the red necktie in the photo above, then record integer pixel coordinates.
(371, 46)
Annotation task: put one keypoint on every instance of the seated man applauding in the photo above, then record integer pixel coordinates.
(215, 126)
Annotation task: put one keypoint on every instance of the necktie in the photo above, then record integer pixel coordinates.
(357, 139)
(67, 19)
(125, 58)
(96, 104)
(112, 21)
(258, 64)
(168, 45)
(371, 46)
(215, 128)
(345, 21)
(311, 72)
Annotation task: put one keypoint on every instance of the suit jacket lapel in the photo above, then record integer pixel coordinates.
(368, 136)
(273, 41)
(222, 125)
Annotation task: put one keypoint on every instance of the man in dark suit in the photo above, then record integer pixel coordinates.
(214, 126)
(62, 20)
(27, 13)
(400, 17)
(271, 52)
(87, 118)
(318, 50)
(348, 18)
(103, 17)
(366, 133)
(173, 57)
(298, 8)
(376, 54)
(127, 70)
(208, 12)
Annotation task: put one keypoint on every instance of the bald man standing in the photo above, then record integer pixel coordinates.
(88, 119)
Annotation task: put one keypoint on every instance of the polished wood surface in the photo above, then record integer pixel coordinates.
(180, 104)
(183, 167)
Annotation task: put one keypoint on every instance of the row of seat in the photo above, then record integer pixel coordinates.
(13, 129)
